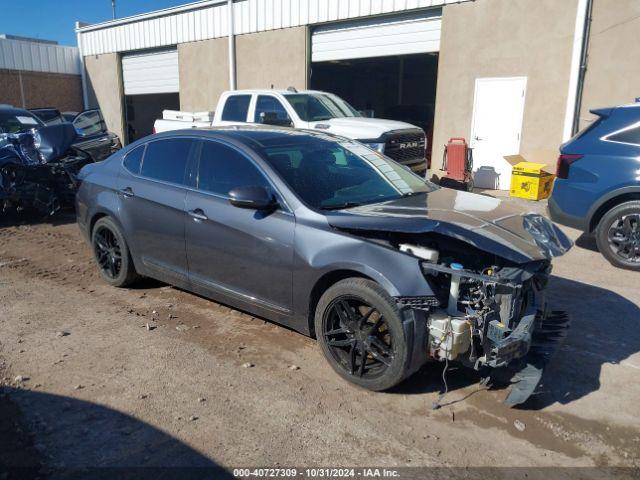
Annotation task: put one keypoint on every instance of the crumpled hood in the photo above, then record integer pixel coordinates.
(363, 128)
(482, 221)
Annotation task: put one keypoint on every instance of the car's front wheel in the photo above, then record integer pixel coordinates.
(359, 328)
(112, 254)
(618, 235)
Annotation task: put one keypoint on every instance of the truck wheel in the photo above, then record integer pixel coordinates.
(112, 254)
(618, 235)
(359, 328)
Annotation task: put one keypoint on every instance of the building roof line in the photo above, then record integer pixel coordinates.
(145, 16)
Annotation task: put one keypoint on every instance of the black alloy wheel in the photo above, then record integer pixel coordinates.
(358, 337)
(112, 254)
(108, 252)
(360, 330)
(618, 235)
(624, 237)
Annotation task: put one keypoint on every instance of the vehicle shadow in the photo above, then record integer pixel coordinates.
(83, 440)
(605, 329)
(12, 219)
(588, 242)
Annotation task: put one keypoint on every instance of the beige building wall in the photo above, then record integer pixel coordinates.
(104, 85)
(204, 73)
(505, 38)
(613, 68)
(276, 58)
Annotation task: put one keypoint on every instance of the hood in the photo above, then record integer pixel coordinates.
(54, 141)
(482, 221)
(362, 128)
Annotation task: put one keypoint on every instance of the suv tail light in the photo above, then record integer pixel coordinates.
(564, 162)
(154, 130)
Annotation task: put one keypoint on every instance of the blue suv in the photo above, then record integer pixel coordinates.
(597, 189)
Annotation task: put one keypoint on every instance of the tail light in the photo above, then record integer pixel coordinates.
(154, 130)
(564, 162)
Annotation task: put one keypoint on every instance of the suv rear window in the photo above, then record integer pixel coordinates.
(629, 135)
(236, 108)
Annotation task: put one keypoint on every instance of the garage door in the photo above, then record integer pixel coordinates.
(417, 32)
(150, 72)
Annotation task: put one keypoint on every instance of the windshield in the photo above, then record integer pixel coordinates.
(15, 122)
(329, 175)
(314, 107)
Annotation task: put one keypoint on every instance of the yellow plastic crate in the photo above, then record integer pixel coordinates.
(529, 180)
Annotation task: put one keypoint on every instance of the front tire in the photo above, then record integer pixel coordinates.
(618, 235)
(360, 332)
(112, 254)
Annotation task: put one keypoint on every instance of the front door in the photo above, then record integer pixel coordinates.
(496, 130)
(241, 253)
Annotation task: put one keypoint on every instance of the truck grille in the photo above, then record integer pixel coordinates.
(407, 147)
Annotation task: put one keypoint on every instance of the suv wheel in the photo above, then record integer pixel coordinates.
(112, 254)
(360, 331)
(618, 235)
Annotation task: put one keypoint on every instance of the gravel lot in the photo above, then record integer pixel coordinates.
(154, 376)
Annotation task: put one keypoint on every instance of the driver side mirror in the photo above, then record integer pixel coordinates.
(252, 197)
(272, 118)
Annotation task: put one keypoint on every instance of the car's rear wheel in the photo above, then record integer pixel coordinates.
(359, 328)
(112, 254)
(618, 235)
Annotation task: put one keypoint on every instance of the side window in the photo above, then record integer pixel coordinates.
(223, 168)
(166, 160)
(133, 159)
(267, 103)
(89, 123)
(236, 108)
(630, 135)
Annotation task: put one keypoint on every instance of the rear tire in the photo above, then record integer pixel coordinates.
(359, 329)
(112, 254)
(618, 235)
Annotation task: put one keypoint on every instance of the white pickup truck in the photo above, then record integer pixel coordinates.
(308, 109)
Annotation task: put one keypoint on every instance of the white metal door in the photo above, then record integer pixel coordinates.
(151, 72)
(498, 109)
(417, 32)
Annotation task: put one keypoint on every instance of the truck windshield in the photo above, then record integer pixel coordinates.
(328, 174)
(314, 107)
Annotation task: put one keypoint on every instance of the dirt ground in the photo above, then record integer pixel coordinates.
(154, 376)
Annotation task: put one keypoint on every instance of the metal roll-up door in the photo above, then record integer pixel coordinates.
(151, 72)
(417, 32)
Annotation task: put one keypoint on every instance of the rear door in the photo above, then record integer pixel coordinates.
(93, 136)
(241, 253)
(497, 127)
(152, 190)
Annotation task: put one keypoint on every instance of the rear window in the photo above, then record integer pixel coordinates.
(166, 160)
(629, 135)
(236, 108)
(17, 122)
(133, 160)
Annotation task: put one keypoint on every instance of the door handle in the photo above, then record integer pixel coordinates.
(198, 215)
(478, 139)
(104, 139)
(127, 192)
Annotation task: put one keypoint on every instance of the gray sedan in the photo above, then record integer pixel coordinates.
(323, 235)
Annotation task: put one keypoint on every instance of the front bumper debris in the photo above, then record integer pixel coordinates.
(551, 331)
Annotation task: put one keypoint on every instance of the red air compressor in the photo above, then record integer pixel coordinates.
(457, 161)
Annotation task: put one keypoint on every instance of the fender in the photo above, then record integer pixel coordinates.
(618, 192)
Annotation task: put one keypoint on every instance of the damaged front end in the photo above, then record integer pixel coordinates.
(495, 318)
(39, 168)
(487, 265)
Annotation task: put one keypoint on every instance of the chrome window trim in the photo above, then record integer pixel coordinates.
(606, 138)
